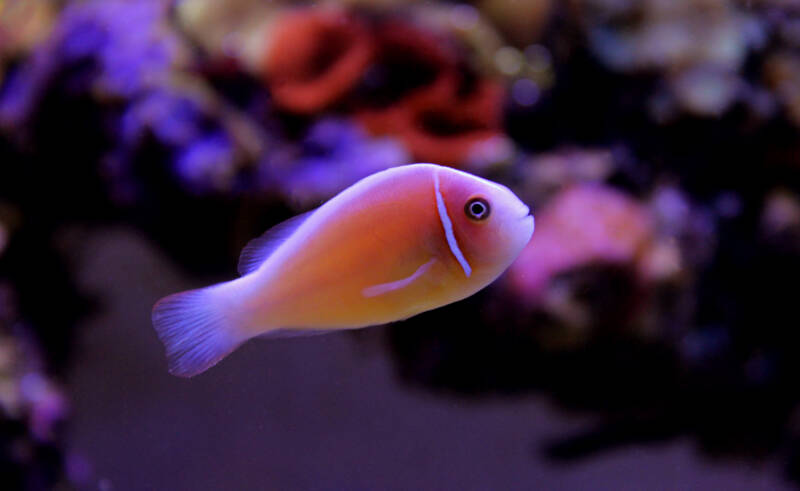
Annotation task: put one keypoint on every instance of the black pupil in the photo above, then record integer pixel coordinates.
(477, 209)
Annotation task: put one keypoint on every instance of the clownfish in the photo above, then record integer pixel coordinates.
(397, 243)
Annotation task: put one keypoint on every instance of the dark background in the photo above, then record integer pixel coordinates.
(645, 339)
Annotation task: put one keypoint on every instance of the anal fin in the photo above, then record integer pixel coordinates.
(294, 333)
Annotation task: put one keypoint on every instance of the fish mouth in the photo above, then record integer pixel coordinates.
(526, 212)
(528, 222)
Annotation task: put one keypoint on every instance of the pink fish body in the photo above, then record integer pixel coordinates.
(397, 243)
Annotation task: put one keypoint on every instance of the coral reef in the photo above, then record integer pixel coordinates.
(655, 141)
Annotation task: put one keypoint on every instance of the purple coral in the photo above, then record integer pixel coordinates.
(335, 154)
(118, 48)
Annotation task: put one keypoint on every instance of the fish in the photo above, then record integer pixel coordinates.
(395, 244)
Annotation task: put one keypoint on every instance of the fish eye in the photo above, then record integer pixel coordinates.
(477, 209)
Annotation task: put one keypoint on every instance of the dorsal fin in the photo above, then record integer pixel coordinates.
(259, 249)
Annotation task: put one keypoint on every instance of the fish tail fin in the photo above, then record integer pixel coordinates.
(196, 329)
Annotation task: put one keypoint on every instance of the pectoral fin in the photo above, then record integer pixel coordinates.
(375, 290)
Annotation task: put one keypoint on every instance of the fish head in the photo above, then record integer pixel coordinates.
(491, 225)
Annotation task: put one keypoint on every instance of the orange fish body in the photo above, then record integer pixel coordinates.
(397, 243)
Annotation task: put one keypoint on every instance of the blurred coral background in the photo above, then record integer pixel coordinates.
(646, 338)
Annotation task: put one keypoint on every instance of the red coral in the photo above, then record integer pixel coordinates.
(439, 124)
(416, 89)
(316, 57)
(440, 113)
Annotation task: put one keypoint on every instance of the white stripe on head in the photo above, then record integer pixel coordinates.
(448, 227)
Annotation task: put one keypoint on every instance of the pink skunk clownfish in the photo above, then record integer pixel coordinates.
(396, 243)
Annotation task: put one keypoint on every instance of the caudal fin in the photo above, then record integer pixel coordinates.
(195, 330)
